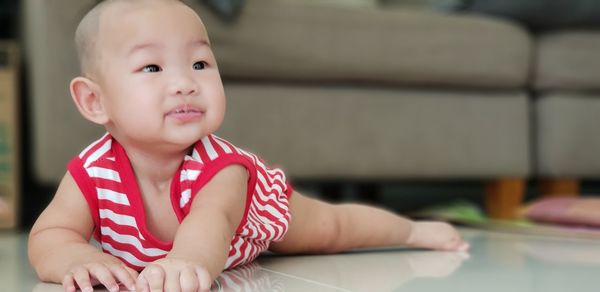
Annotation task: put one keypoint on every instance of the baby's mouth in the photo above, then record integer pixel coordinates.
(185, 113)
(186, 108)
(181, 111)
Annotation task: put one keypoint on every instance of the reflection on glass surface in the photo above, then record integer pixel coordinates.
(576, 253)
(513, 262)
(247, 278)
(498, 262)
(381, 270)
(49, 287)
(15, 272)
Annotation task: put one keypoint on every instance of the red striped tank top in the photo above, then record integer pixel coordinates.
(105, 177)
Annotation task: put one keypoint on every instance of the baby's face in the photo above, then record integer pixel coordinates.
(157, 74)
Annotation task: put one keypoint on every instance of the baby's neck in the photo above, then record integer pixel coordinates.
(154, 168)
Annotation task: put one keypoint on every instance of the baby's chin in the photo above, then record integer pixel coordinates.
(185, 140)
(182, 143)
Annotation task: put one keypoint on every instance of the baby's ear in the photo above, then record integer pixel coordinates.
(86, 96)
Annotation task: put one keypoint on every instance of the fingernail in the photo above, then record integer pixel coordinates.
(464, 255)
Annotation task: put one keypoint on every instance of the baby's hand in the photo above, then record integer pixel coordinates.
(108, 272)
(169, 274)
(436, 235)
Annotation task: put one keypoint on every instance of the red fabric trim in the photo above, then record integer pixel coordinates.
(199, 146)
(96, 146)
(220, 151)
(134, 195)
(175, 193)
(87, 188)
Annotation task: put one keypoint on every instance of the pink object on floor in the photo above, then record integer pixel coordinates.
(566, 211)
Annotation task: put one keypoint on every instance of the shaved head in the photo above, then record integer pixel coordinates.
(87, 33)
(86, 36)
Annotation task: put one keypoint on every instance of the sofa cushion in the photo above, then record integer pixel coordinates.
(478, 133)
(568, 60)
(380, 133)
(302, 41)
(229, 10)
(567, 140)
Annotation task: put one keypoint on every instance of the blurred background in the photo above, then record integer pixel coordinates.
(404, 104)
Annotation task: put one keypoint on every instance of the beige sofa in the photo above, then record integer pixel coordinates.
(567, 107)
(332, 91)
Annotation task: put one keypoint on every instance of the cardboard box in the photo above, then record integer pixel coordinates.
(9, 135)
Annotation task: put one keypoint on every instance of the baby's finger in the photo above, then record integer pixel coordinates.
(155, 276)
(134, 274)
(172, 280)
(463, 247)
(142, 284)
(69, 283)
(188, 281)
(82, 279)
(449, 246)
(204, 279)
(124, 276)
(104, 276)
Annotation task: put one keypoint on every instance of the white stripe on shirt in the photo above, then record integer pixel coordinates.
(84, 152)
(118, 218)
(115, 197)
(210, 150)
(105, 173)
(98, 153)
(130, 258)
(132, 240)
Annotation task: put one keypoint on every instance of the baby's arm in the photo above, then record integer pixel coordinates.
(59, 248)
(202, 241)
(325, 228)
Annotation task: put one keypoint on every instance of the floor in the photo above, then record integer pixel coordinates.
(497, 262)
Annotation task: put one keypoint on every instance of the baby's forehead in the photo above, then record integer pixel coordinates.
(114, 25)
(119, 10)
(142, 16)
(127, 12)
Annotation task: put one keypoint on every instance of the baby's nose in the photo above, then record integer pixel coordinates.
(183, 85)
(187, 91)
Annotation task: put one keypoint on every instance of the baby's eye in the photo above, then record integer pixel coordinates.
(151, 68)
(199, 65)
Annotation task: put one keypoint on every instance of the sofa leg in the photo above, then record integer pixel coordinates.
(503, 197)
(558, 187)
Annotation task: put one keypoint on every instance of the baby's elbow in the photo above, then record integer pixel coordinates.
(37, 265)
(37, 258)
(42, 270)
(44, 276)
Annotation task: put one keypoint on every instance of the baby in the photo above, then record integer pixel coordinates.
(171, 204)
